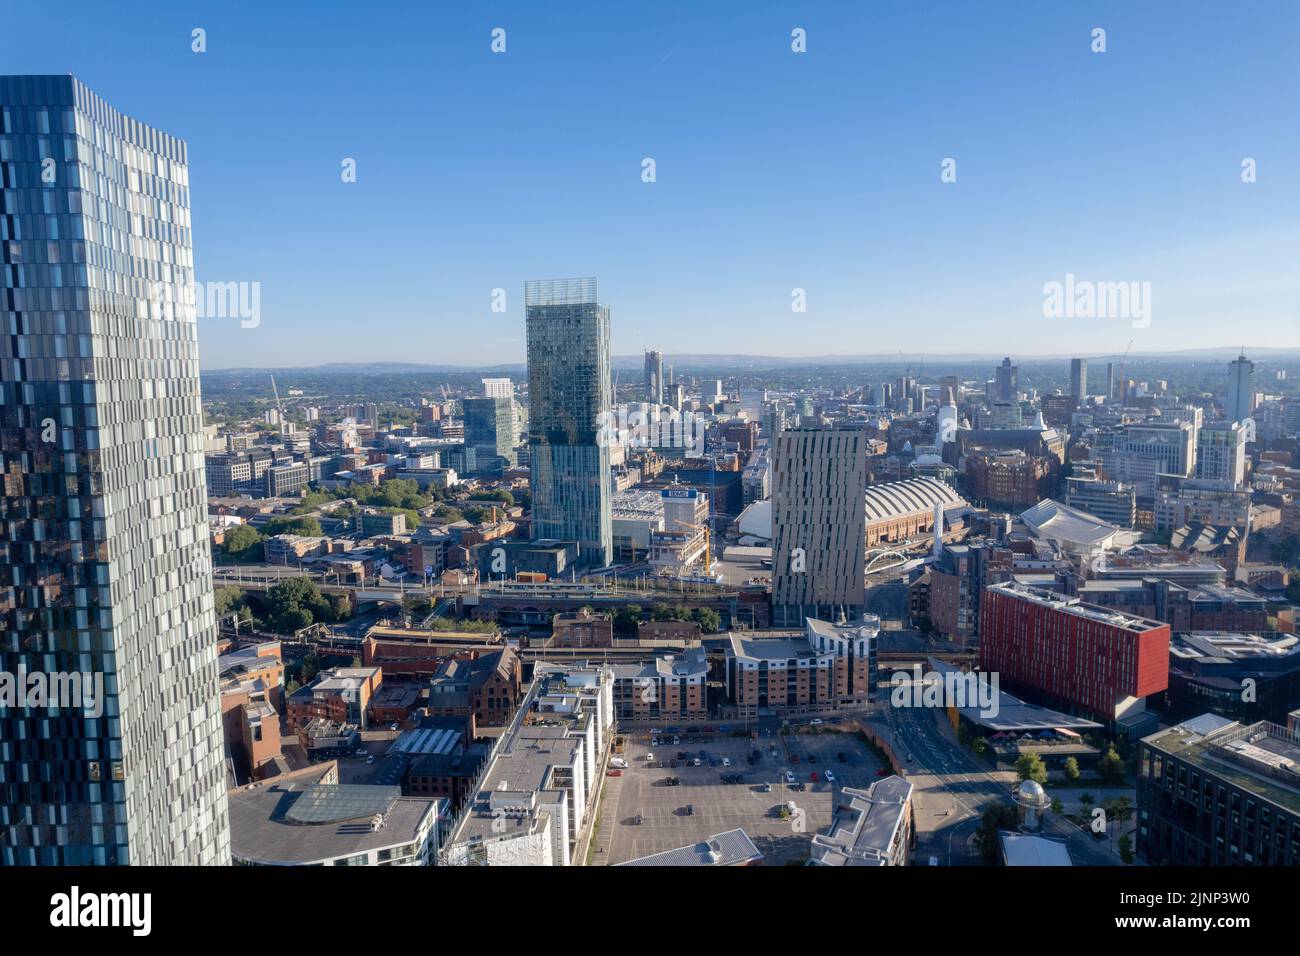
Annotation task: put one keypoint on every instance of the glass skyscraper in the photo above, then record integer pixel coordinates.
(489, 429)
(104, 560)
(569, 394)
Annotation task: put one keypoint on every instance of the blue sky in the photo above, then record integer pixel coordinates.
(775, 170)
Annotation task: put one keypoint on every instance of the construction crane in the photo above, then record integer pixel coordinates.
(279, 408)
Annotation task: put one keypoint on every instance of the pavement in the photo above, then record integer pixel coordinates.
(717, 806)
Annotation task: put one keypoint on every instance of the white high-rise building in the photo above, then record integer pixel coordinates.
(1241, 389)
(498, 388)
(1221, 452)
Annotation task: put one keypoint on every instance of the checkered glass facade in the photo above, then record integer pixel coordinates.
(104, 561)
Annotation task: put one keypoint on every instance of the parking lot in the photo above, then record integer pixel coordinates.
(701, 804)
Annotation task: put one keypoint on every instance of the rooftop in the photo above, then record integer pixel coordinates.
(1068, 605)
(732, 848)
(292, 823)
(865, 825)
(1263, 758)
(895, 499)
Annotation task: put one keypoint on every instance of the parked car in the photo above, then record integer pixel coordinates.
(370, 759)
(614, 773)
(794, 758)
(697, 761)
(766, 788)
(690, 810)
(842, 757)
(817, 721)
(789, 776)
(618, 762)
(813, 776)
(830, 777)
(726, 761)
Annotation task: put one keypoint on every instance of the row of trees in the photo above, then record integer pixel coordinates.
(627, 618)
(291, 605)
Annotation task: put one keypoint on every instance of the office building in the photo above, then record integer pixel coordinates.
(1082, 658)
(1212, 670)
(1214, 792)
(498, 388)
(1112, 501)
(490, 431)
(818, 488)
(1006, 387)
(1241, 389)
(104, 563)
(1079, 379)
(569, 398)
(1136, 454)
(1183, 501)
(1221, 452)
(654, 377)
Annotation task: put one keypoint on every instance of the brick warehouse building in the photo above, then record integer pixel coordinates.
(1079, 657)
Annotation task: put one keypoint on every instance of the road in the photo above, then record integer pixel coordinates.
(952, 788)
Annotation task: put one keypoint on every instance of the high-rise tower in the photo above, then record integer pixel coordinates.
(104, 561)
(569, 401)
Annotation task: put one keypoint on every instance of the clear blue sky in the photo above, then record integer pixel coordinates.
(775, 170)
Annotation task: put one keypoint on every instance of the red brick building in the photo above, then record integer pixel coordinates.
(1081, 658)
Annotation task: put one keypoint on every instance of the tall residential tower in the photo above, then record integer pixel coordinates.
(819, 515)
(104, 561)
(569, 397)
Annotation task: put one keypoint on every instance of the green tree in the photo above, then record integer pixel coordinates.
(228, 601)
(996, 817)
(1031, 767)
(1111, 767)
(310, 668)
(980, 746)
(627, 618)
(707, 618)
(1071, 769)
(1057, 806)
(294, 603)
(306, 525)
(243, 543)
(1126, 848)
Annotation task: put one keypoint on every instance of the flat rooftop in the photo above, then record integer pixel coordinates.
(1073, 606)
(1263, 758)
(302, 823)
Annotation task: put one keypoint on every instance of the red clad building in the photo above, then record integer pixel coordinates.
(1082, 658)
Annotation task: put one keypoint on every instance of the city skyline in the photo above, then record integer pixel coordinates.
(818, 171)
(856, 436)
